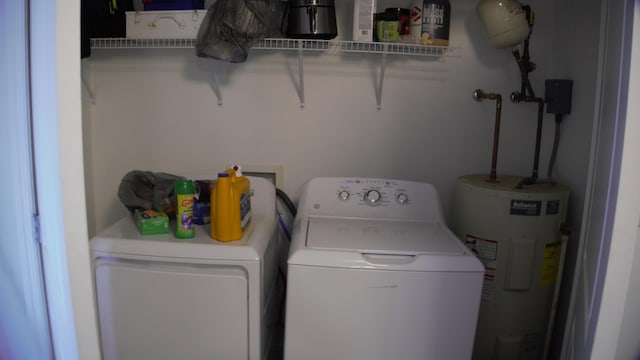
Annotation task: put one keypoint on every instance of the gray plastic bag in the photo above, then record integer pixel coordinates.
(148, 191)
(231, 27)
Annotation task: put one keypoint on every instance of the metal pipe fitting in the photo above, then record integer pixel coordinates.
(479, 95)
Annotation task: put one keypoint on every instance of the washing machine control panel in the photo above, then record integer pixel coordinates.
(373, 192)
(370, 198)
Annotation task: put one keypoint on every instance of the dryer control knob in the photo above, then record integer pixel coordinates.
(372, 197)
(343, 195)
(402, 198)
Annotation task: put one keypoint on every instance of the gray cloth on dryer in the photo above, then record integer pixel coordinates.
(149, 191)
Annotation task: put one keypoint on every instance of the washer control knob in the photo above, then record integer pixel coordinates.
(372, 197)
(343, 195)
(402, 198)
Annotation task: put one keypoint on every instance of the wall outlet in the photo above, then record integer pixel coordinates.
(273, 173)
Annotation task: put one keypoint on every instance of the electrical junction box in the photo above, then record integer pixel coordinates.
(557, 96)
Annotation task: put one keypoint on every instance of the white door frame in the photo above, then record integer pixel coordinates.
(59, 168)
(612, 204)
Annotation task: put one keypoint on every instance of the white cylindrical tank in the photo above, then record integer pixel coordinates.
(516, 233)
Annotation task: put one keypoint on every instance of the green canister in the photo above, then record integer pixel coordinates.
(184, 190)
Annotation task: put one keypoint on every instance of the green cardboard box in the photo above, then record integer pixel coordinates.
(152, 222)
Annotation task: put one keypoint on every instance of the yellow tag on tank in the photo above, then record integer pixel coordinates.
(550, 263)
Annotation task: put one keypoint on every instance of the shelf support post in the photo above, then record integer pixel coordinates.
(301, 73)
(383, 64)
(92, 96)
(85, 84)
(215, 85)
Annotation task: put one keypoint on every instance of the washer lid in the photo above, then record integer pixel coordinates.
(381, 236)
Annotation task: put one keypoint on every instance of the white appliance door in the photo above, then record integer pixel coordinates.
(361, 314)
(156, 310)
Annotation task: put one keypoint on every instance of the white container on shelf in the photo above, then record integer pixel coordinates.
(182, 24)
(363, 11)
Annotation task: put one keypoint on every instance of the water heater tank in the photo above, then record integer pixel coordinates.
(516, 235)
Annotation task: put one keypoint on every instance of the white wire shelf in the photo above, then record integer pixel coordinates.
(299, 45)
(123, 43)
(281, 44)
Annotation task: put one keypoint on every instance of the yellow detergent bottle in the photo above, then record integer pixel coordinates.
(230, 205)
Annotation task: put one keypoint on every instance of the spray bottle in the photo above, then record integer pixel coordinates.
(230, 205)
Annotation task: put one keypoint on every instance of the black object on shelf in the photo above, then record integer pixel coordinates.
(102, 19)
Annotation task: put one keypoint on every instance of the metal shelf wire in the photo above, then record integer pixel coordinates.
(292, 44)
(124, 43)
(281, 44)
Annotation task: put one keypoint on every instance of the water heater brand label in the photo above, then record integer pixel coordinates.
(525, 207)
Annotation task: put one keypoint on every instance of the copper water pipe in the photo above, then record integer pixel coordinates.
(536, 159)
(527, 94)
(479, 95)
(525, 66)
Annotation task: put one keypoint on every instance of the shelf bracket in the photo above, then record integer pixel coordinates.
(301, 73)
(383, 64)
(92, 96)
(215, 85)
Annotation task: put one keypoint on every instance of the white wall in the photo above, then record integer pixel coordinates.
(155, 110)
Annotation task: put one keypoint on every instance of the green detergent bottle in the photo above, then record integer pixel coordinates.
(184, 190)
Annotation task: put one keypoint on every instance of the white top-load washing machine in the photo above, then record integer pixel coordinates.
(374, 273)
(159, 297)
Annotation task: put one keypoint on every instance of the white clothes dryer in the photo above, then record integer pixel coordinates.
(159, 297)
(374, 273)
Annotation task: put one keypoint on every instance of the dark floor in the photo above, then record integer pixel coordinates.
(277, 347)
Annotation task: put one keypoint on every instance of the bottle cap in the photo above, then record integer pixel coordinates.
(238, 170)
(184, 186)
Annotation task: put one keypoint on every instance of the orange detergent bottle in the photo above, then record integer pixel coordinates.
(230, 205)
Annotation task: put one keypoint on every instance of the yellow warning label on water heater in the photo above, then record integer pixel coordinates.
(550, 263)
